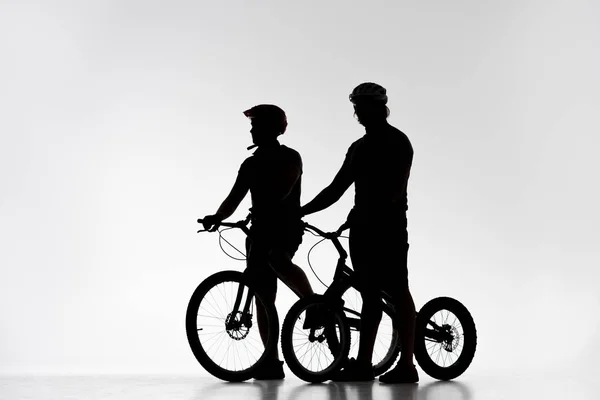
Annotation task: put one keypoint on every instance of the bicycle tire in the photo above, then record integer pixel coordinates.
(469, 339)
(334, 316)
(192, 328)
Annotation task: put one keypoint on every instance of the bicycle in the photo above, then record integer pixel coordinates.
(329, 337)
(238, 324)
(220, 322)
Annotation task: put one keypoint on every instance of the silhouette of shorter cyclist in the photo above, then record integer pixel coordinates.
(379, 165)
(273, 177)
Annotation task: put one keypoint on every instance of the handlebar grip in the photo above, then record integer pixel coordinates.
(200, 220)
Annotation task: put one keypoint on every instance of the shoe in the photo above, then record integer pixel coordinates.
(270, 369)
(400, 374)
(353, 372)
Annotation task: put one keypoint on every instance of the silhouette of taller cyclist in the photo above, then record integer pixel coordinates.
(379, 165)
(273, 177)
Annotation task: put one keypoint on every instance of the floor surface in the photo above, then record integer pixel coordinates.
(207, 388)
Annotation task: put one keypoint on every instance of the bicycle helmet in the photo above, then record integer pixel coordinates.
(269, 113)
(369, 91)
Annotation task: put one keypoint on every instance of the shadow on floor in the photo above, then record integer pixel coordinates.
(295, 390)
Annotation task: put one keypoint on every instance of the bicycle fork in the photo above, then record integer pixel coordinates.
(245, 318)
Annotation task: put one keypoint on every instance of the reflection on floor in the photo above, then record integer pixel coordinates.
(205, 388)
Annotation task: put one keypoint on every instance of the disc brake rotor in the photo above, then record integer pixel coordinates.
(452, 343)
(235, 327)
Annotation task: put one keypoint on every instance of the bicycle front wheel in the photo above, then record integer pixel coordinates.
(315, 351)
(222, 328)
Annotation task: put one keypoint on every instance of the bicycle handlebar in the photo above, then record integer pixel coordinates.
(242, 224)
(333, 236)
(227, 224)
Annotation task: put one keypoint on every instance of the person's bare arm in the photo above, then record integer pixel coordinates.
(232, 201)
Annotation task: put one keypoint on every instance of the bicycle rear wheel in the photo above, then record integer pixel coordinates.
(314, 353)
(445, 338)
(222, 329)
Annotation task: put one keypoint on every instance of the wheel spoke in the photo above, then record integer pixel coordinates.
(220, 341)
(213, 308)
(217, 306)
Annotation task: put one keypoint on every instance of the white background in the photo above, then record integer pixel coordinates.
(121, 123)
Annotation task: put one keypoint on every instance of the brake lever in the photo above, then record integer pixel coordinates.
(213, 229)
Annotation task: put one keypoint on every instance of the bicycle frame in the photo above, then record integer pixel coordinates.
(345, 277)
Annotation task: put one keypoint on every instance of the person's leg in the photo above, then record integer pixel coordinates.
(370, 318)
(285, 241)
(405, 307)
(364, 258)
(404, 371)
(263, 324)
(272, 367)
(362, 369)
(289, 273)
(264, 280)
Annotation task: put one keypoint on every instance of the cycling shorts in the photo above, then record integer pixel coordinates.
(264, 238)
(379, 257)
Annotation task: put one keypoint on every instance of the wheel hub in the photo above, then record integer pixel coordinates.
(451, 343)
(312, 337)
(238, 325)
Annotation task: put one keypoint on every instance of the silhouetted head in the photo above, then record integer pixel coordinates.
(268, 121)
(369, 100)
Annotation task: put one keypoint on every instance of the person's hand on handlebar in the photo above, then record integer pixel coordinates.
(331, 235)
(211, 222)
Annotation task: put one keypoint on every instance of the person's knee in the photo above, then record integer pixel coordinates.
(251, 275)
(371, 300)
(267, 290)
(270, 294)
(371, 311)
(404, 303)
(279, 260)
(264, 284)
